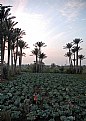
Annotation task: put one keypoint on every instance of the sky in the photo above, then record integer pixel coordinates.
(54, 22)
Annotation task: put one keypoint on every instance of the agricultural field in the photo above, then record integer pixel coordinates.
(60, 97)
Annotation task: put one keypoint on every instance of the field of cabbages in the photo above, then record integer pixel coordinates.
(60, 97)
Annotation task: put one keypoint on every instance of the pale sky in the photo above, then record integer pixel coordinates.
(55, 22)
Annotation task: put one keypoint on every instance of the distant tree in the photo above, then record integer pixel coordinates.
(39, 45)
(42, 56)
(73, 51)
(81, 57)
(36, 52)
(19, 55)
(68, 46)
(53, 65)
(19, 34)
(22, 45)
(76, 42)
(68, 54)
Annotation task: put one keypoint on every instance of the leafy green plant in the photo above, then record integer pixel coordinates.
(59, 95)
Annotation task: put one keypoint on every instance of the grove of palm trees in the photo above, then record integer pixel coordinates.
(74, 49)
(38, 92)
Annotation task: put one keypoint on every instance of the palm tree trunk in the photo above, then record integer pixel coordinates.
(1, 49)
(12, 60)
(4, 48)
(36, 63)
(41, 65)
(39, 59)
(15, 56)
(16, 50)
(74, 60)
(20, 58)
(20, 63)
(80, 63)
(77, 60)
(8, 64)
(69, 58)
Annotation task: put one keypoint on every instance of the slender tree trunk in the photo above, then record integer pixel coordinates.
(4, 47)
(41, 65)
(20, 63)
(39, 59)
(12, 60)
(1, 49)
(20, 59)
(15, 56)
(69, 58)
(77, 60)
(36, 63)
(74, 60)
(16, 50)
(80, 67)
(8, 55)
(80, 63)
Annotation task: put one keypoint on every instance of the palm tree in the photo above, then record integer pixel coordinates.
(19, 54)
(81, 57)
(19, 34)
(4, 13)
(68, 54)
(76, 42)
(21, 45)
(10, 25)
(68, 46)
(39, 45)
(73, 51)
(13, 43)
(42, 56)
(36, 52)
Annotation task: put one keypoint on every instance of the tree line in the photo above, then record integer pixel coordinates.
(73, 55)
(10, 39)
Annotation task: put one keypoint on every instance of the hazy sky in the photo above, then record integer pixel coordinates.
(55, 22)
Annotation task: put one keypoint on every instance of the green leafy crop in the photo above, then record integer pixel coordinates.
(59, 95)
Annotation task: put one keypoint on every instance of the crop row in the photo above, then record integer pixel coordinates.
(59, 95)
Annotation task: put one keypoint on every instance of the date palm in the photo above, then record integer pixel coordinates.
(36, 52)
(81, 57)
(39, 45)
(19, 35)
(10, 36)
(68, 46)
(76, 42)
(68, 54)
(19, 54)
(22, 45)
(4, 14)
(42, 56)
(73, 51)
(13, 45)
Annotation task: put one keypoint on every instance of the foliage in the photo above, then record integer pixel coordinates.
(59, 95)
